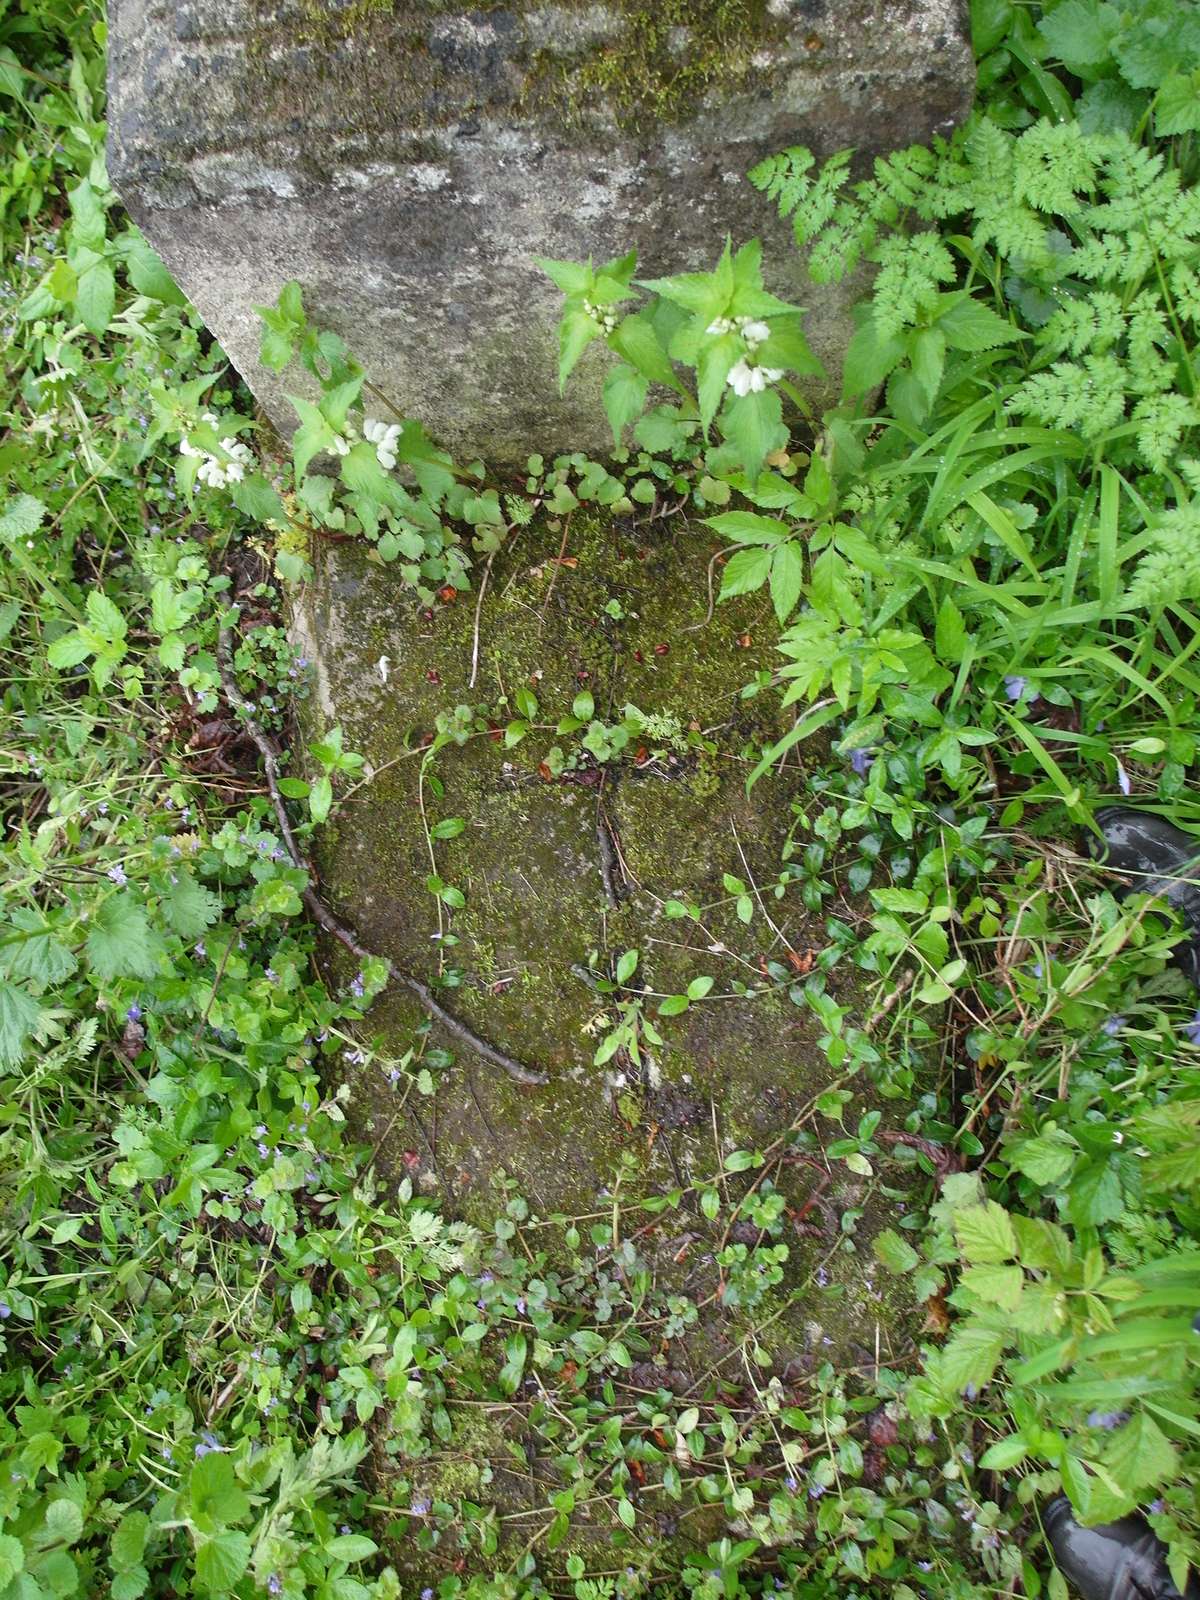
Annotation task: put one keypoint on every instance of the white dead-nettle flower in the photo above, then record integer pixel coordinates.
(384, 436)
(719, 325)
(382, 666)
(744, 379)
(340, 446)
(755, 333)
(607, 319)
(214, 470)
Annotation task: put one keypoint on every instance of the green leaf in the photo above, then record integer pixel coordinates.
(744, 571)
(1140, 1455)
(627, 965)
(19, 1017)
(1046, 1159)
(104, 616)
(1005, 1453)
(448, 828)
(984, 1233)
(1177, 105)
(189, 907)
(699, 987)
(34, 955)
(971, 1357)
(12, 1559)
(129, 1539)
(753, 425)
(950, 634)
(96, 297)
(747, 527)
(996, 1284)
(120, 944)
(787, 579)
(21, 518)
(624, 398)
(1080, 33)
(351, 1547)
(572, 277)
(255, 496)
(221, 1560)
(576, 331)
(130, 1583)
(583, 705)
(312, 436)
(968, 324)
(64, 1523)
(147, 273)
(320, 798)
(673, 1005)
(895, 1252)
(869, 359)
(214, 1491)
(635, 341)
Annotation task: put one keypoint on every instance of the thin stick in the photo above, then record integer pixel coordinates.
(478, 610)
(316, 907)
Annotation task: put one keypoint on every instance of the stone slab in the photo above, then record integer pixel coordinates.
(406, 162)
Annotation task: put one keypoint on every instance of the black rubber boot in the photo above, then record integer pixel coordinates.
(1161, 860)
(1116, 1561)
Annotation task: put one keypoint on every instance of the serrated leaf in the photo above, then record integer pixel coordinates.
(998, 1285)
(29, 952)
(971, 1356)
(787, 579)
(120, 943)
(895, 1252)
(1140, 1455)
(753, 425)
(984, 1233)
(129, 1539)
(190, 908)
(221, 1560)
(19, 1017)
(21, 518)
(745, 570)
(624, 398)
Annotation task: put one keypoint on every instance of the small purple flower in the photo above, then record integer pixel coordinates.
(1015, 686)
(925, 1566)
(860, 761)
(820, 1277)
(274, 1584)
(426, 1594)
(1157, 1507)
(102, 808)
(5, 1311)
(134, 1013)
(357, 986)
(394, 1075)
(1123, 780)
(354, 1057)
(1113, 1025)
(208, 1444)
(259, 1130)
(1107, 1419)
(1037, 969)
(263, 1150)
(271, 975)
(420, 1506)
(1192, 1029)
(200, 949)
(118, 875)
(519, 1304)
(792, 1482)
(815, 1491)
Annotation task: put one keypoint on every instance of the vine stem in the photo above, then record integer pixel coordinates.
(317, 908)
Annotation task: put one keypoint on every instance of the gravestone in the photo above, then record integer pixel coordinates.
(406, 160)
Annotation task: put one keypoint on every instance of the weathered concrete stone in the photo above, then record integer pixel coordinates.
(407, 159)
(672, 818)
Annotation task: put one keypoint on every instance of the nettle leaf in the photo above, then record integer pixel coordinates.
(1080, 33)
(189, 907)
(967, 324)
(21, 518)
(1177, 105)
(984, 1233)
(999, 1285)
(635, 341)
(1046, 1159)
(120, 943)
(576, 331)
(624, 398)
(572, 277)
(30, 951)
(753, 425)
(19, 1018)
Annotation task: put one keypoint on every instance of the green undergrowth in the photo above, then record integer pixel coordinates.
(246, 1355)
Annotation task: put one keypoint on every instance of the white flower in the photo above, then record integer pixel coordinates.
(340, 446)
(719, 325)
(755, 333)
(744, 379)
(382, 665)
(384, 436)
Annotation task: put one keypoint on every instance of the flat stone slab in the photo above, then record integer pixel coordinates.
(407, 161)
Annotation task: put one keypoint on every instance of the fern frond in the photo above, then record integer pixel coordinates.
(1171, 572)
